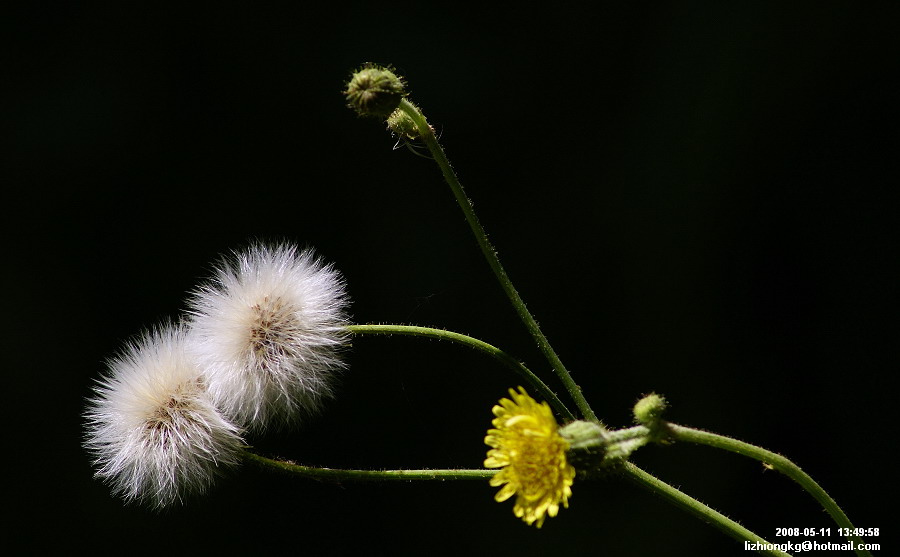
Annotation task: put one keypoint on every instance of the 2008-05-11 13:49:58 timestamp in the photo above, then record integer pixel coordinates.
(823, 532)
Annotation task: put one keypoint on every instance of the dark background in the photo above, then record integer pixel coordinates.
(692, 199)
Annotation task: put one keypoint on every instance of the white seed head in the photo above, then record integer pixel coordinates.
(268, 330)
(152, 426)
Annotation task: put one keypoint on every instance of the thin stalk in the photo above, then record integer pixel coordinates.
(427, 136)
(695, 507)
(775, 461)
(481, 346)
(342, 475)
(634, 473)
(631, 471)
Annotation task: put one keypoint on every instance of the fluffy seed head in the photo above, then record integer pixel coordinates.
(268, 330)
(152, 427)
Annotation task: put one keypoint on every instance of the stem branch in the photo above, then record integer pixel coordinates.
(774, 460)
(427, 135)
(695, 507)
(631, 471)
(471, 342)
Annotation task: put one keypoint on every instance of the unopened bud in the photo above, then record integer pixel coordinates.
(375, 91)
(402, 125)
(649, 410)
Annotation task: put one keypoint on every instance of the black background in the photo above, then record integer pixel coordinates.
(692, 199)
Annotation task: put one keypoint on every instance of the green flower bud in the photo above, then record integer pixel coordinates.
(649, 410)
(402, 125)
(374, 91)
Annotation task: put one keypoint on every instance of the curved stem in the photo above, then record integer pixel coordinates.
(696, 508)
(471, 342)
(427, 135)
(339, 475)
(773, 460)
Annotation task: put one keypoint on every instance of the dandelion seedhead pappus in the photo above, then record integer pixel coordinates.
(268, 330)
(152, 427)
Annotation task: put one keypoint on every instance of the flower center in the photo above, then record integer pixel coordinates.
(178, 406)
(270, 331)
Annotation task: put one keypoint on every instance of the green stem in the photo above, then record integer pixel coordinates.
(773, 460)
(339, 475)
(696, 508)
(633, 472)
(427, 136)
(471, 342)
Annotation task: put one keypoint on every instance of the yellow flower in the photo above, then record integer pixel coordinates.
(527, 445)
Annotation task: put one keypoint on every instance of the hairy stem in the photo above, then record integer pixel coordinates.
(695, 507)
(339, 475)
(775, 461)
(631, 471)
(481, 346)
(427, 136)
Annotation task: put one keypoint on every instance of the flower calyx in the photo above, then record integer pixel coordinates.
(594, 449)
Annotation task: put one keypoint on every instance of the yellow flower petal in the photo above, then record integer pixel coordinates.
(527, 445)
